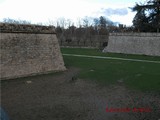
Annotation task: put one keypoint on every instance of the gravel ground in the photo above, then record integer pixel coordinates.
(62, 96)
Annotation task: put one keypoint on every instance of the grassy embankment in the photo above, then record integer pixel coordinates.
(137, 75)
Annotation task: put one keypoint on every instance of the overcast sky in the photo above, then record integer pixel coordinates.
(38, 11)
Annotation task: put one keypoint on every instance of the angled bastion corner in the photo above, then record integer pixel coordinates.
(28, 50)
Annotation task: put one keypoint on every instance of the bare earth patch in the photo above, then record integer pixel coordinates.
(65, 97)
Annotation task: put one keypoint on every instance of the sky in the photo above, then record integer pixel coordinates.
(48, 11)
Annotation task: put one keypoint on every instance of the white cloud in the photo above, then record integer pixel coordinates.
(44, 10)
(117, 11)
(40, 10)
(126, 19)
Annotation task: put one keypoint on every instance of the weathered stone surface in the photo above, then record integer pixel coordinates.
(134, 43)
(24, 28)
(25, 54)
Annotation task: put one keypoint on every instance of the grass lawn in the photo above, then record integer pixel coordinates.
(137, 75)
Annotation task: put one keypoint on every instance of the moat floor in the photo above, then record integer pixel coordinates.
(61, 96)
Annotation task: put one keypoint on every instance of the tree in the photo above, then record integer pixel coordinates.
(61, 22)
(140, 21)
(85, 22)
(147, 18)
(9, 20)
(102, 22)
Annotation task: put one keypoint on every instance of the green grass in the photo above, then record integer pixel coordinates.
(96, 52)
(137, 75)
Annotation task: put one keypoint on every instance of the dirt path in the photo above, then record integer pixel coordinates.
(64, 97)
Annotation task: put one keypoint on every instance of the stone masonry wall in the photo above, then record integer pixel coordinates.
(134, 43)
(26, 53)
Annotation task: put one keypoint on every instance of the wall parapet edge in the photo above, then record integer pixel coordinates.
(26, 28)
(136, 34)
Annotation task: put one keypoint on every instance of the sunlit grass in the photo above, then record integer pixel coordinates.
(137, 75)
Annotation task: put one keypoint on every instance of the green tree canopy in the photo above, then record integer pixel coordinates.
(147, 18)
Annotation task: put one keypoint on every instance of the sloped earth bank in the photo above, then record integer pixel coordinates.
(64, 97)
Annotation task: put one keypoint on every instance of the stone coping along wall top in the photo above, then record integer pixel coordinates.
(136, 34)
(26, 28)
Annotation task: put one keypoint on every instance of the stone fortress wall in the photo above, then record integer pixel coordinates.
(134, 43)
(28, 50)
